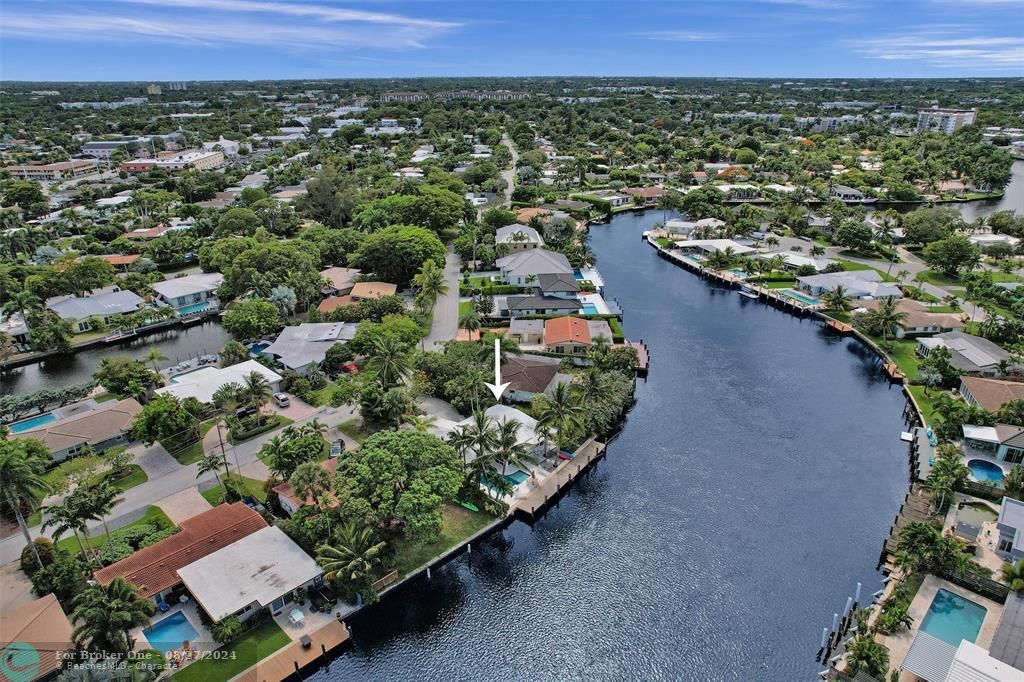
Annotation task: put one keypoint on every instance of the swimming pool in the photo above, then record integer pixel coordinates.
(170, 633)
(577, 274)
(257, 348)
(803, 298)
(986, 472)
(589, 309)
(516, 477)
(740, 273)
(194, 308)
(34, 422)
(970, 518)
(952, 618)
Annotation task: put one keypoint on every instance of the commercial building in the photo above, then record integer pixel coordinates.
(176, 161)
(945, 120)
(62, 170)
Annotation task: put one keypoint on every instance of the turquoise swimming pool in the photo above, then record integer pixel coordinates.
(986, 472)
(33, 423)
(516, 477)
(803, 298)
(740, 273)
(170, 633)
(953, 619)
(589, 309)
(194, 308)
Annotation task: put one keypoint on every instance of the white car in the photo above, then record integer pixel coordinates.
(282, 400)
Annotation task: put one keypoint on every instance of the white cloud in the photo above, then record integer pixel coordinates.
(945, 46)
(681, 36)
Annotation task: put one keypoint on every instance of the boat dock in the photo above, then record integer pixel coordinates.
(643, 356)
(839, 327)
(290, 661)
(533, 503)
(916, 507)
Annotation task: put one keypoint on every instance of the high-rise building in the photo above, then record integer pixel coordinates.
(945, 120)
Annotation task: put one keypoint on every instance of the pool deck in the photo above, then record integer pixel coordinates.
(536, 499)
(899, 643)
(284, 664)
(988, 536)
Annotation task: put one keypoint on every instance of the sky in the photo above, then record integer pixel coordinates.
(64, 40)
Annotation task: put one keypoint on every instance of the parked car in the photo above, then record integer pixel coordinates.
(337, 447)
(243, 412)
(282, 400)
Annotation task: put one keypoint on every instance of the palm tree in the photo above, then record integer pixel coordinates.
(483, 434)
(430, 282)
(817, 251)
(864, 653)
(352, 559)
(310, 481)
(212, 463)
(470, 321)
(422, 423)
(561, 412)
(284, 298)
(101, 501)
(591, 387)
(22, 302)
(154, 356)
(886, 317)
(257, 392)
(23, 485)
(313, 426)
(902, 275)
(461, 438)
(837, 298)
(63, 518)
(1013, 574)
(508, 450)
(390, 360)
(105, 616)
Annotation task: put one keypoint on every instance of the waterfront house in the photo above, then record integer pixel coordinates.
(338, 281)
(154, 569)
(526, 214)
(101, 428)
(368, 291)
(687, 228)
(529, 375)
(934, 659)
(190, 294)
(612, 197)
(860, 284)
(969, 354)
(984, 239)
(535, 304)
(527, 332)
(202, 383)
(990, 394)
(1004, 441)
(523, 267)
(559, 285)
(1011, 529)
(260, 570)
(647, 196)
(919, 320)
(574, 335)
(709, 246)
(847, 194)
(528, 435)
(516, 237)
(102, 305)
(15, 327)
(42, 627)
(303, 347)
(289, 500)
(794, 260)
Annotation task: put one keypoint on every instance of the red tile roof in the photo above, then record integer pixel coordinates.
(155, 568)
(565, 330)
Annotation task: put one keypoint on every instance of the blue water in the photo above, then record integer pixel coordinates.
(577, 274)
(194, 308)
(792, 293)
(589, 309)
(257, 348)
(986, 472)
(32, 423)
(952, 618)
(170, 633)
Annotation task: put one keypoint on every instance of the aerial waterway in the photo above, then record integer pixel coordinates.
(746, 496)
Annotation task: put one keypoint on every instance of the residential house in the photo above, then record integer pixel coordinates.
(103, 305)
(121, 261)
(847, 194)
(525, 215)
(527, 435)
(709, 246)
(860, 284)
(647, 196)
(524, 267)
(1010, 523)
(529, 375)
(613, 198)
(532, 304)
(688, 228)
(101, 428)
(733, 174)
(699, 177)
(289, 500)
(261, 570)
(969, 354)
(794, 260)
(15, 327)
(574, 335)
(191, 294)
(202, 383)
(368, 291)
(919, 320)
(516, 237)
(558, 285)
(990, 394)
(527, 332)
(303, 347)
(338, 281)
(41, 630)
(983, 239)
(154, 569)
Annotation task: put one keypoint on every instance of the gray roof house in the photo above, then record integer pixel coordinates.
(1011, 529)
(524, 267)
(561, 284)
(527, 332)
(518, 237)
(858, 284)
(303, 347)
(516, 306)
(189, 292)
(528, 375)
(103, 305)
(970, 354)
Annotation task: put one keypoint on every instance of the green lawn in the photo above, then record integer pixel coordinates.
(322, 396)
(941, 279)
(135, 476)
(252, 486)
(58, 476)
(926, 402)
(904, 354)
(785, 284)
(274, 421)
(106, 397)
(243, 653)
(193, 453)
(850, 266)
(465, 307)
(154, 515)
(459, 524)
(353, 428)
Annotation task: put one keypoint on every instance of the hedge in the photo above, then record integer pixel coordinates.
(494, 290)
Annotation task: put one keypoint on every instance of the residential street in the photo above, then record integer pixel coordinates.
(510, 175)
(446, 309)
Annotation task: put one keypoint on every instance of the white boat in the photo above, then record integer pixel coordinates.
(749, 292)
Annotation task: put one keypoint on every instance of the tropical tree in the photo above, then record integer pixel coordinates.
(226, 629)
(559, 412)
(884, 319)
(284, 298)
(509, 450)
(461, 438)
(21, 471)
(256, 390)
(470, 321)
(104, 615)
(867, 655)
(310, 481)
(212, 462)
(389, 358)
(430, 282)
(1013, 574)
(22, 302)
(155, 356)
(837, 299)
(62, 518)
(100, 502)
(351, 560)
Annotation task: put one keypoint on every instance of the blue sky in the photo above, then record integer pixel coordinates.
(250, 39)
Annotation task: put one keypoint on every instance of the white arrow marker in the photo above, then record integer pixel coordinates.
(497, 388)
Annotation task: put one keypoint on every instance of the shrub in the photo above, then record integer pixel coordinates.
(47, 554)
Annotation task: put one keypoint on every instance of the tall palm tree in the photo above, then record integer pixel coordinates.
(23, 303)
(257, 392)
(101, 500)
(837, 299)
(23, 485)
(155, 356)
(105, 615)
(352, 559)
(212, 463)
(461, 438)
(470, 321)
(390, 360)
(483, 434)
(63, 518)
(430, 282)
(886, 317)
(508, 450)
(560, 412)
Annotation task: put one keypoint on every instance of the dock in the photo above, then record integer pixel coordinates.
(839, 327)
(893, 371)
(536, 501)
(916, 506)
(643, 356)
(295, 657)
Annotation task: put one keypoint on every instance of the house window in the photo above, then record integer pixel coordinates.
(1014, 456)
(1005, 545)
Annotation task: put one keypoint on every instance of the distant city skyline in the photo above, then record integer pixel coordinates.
(279, 39)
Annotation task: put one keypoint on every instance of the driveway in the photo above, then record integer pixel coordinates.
(446, 309)
(295, 411)
(510, 175)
